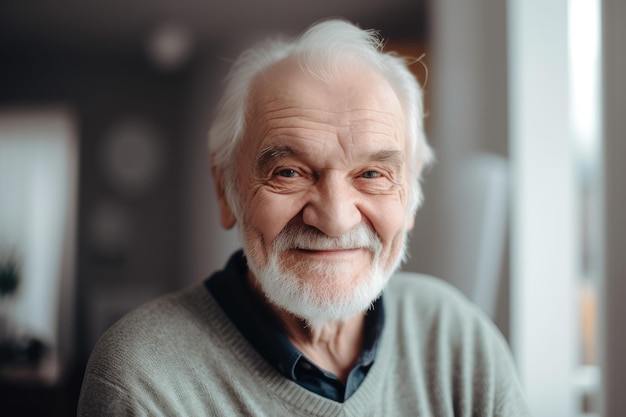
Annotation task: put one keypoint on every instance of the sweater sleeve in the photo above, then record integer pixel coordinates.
(127, 373)
(100, 398)
(114, 383)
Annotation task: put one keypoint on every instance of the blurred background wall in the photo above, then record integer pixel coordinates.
(135, 85)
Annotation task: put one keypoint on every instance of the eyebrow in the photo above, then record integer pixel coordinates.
(393, 156)
(268, 156)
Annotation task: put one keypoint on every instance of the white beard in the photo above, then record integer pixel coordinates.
(319, 300)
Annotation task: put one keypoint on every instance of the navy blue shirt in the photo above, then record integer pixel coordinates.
(259, 325)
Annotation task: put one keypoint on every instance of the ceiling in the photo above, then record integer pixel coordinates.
(124, 23)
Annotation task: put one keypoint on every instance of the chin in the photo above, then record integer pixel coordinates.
(323, 294)
(320, 289)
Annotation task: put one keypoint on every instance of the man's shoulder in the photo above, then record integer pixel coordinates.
(155, 328)
(165, 312)
(460, 347)
(414, 286)
(157, 356)
(429, 300)
(423, 304)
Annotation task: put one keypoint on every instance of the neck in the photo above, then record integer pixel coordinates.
(333, 346)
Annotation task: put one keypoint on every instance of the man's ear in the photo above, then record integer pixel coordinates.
(227, 217)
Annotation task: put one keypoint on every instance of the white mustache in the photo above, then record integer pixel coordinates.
(305, 237)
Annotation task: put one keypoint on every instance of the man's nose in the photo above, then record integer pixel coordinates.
(333, 206)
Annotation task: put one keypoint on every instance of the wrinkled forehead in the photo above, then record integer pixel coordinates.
(341, 89)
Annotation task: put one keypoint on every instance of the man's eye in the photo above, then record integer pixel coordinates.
(370, 174)
(287, 173)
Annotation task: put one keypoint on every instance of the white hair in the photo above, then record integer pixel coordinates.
(322, 50)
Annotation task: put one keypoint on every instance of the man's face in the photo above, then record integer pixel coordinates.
(323, 186)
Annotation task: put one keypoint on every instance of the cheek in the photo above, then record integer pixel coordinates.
(387, 217)
(269, 213)
(396, 245)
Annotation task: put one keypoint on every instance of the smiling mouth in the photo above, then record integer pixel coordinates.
(330, 251)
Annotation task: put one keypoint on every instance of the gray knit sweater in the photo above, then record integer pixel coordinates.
(181, 356)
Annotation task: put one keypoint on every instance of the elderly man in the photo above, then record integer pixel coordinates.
(316, 153)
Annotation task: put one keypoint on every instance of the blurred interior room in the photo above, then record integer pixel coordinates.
(106, 197)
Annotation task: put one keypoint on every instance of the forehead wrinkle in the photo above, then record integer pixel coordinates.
(297, 109)
(270, 126)
(272, 108)
(271, 105)
(386, 129)
(294, 134)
